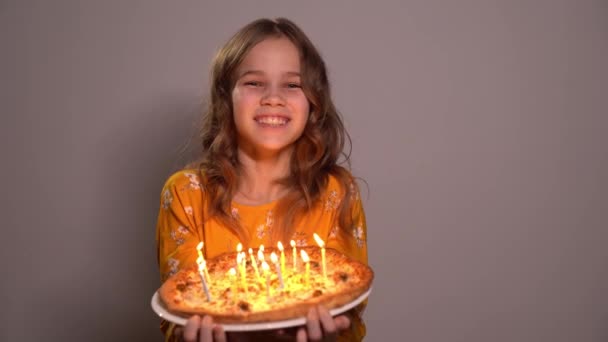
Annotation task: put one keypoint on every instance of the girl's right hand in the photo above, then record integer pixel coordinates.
(201, 330)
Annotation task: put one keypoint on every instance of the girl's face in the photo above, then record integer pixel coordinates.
(270, 108)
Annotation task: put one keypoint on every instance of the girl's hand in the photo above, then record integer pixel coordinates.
(201, 330)
(320, 326)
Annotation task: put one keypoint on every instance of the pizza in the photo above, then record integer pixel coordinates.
(230, 290)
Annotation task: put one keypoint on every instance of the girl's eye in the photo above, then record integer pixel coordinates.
(253, 83)
(293, 85)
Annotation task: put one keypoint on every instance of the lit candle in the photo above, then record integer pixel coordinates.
(201, 267)
(261, 253)
(199, 261)
(293, 248)
(239, 248)
(239, 259)
(232, 274)
(306, 262)
(266, 270)
(199, 248)
(322, 245)
(280, 245)
(244, 261)
(275, 260)
(255, 265)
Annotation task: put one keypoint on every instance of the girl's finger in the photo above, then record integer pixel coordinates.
(329, 326)
(218, 334)
(206, 329)
(313, 325)
(191, 329)
(342, 322)
(301, 336)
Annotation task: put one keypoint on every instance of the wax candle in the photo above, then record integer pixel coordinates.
(239, 248)
(266, 270)
(275, 260)
(199, 247)
(306, 260)
(233, 284)
(280, 246)
(254, 263)
(293, 248)
(322, 245)
(199, 261)
(201, 267)
(242, 271)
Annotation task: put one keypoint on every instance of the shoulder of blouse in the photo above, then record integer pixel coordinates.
(184, 179)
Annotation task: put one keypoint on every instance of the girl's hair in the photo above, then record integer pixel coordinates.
(316, 152)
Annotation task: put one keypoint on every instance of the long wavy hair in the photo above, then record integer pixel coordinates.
(316, 152)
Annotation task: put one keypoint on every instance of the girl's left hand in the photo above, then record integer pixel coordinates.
(320, 326)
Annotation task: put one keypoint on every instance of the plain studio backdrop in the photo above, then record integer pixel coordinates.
(479, 126)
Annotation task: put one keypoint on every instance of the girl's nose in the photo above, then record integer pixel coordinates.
(273, 97)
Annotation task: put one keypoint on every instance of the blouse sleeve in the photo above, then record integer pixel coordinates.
(351, 241)
(354, 246)
(177, 230)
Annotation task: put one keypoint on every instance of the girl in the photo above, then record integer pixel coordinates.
(268, 172)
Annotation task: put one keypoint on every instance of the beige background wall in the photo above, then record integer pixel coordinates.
(480, 127)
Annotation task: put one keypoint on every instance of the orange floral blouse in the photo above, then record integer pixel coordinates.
(182, 223)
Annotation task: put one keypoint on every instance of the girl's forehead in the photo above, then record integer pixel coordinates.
(271, 55)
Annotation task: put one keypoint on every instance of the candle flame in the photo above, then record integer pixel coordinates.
(262, 248)
(319, 241)
(304, 255)
(260, 255)
(250, 250)
(265, 266)
(292, 243)
(199, 246)
(239, 247)
(273, 257)
(232, 272)
(280, 245)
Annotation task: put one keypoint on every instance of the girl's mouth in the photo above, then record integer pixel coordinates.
(275, 121)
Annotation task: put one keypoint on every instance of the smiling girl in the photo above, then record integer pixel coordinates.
(268, 172)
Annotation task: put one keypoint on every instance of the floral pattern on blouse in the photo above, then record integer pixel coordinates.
(260, 231)
(173, 267)
(195, 182)
(332, 202)
(358, 233)
(300, 239)
(178, 235)
(334, 232)
(269, 219)
(167, 199)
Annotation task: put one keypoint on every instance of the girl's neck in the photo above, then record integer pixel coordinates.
(258, 177)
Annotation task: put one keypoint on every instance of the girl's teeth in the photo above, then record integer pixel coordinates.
(272, 121)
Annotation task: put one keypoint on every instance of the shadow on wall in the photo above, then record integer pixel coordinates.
(143, 153)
